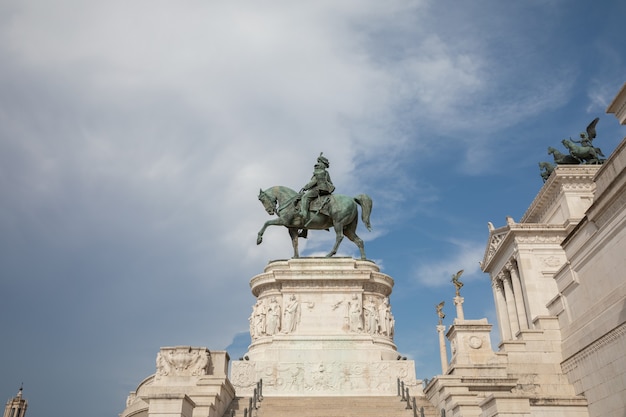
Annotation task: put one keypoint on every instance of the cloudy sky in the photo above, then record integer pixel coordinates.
(135, 135)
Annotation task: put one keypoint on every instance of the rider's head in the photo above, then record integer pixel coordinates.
(323, 160)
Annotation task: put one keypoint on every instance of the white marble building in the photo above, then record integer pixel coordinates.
(559, 286)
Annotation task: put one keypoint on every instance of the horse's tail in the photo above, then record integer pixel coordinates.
(365, 202)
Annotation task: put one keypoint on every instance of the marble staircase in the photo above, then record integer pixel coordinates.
(340, 406)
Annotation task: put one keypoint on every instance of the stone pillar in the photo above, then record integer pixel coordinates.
(510, 304)
(519, 296)
(503, 317)
(442, 349)
(458, 302)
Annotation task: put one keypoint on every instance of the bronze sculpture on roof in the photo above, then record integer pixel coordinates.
(580, 151)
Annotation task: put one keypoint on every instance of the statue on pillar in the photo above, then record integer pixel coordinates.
(440, 312)
(457, 283)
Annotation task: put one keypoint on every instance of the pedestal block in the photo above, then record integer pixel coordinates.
(322, 326)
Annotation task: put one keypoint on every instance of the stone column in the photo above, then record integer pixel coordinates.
(503, 317)
(458, 302)
(442, 349)
(519, 296)
(510, 304)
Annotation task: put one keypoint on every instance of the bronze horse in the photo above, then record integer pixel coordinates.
(340, 213)
(560, 158)
(584, 154)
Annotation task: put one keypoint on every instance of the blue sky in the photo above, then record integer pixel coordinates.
(134, 138)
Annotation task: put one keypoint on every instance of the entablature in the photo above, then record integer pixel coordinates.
(504, 242)
(566, 179)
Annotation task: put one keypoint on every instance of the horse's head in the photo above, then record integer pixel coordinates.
(268, 201)
(567, 143)
(551, 150)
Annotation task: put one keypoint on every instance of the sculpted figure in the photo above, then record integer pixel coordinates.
(440, 312)
(354, 314)
(319, 185)
(273, 317)
(457, 283)
(580, 151)
(587, 137)
(259, 319)
(384, 317)
(371, 317)
(292, 315)
(163, 366)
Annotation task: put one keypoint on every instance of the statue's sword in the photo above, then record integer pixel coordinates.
(316, 213)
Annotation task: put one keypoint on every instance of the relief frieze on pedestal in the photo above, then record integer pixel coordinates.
(322, 378)
(182, 361)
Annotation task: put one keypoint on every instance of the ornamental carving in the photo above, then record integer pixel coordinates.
(321, 377)
(494, 244)
(551, 261)
(243, 375)
(475, 342)
(611, 338)
(539, 238)
(182, 361)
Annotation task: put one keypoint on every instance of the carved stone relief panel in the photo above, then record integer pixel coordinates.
(321, 378)
(182, 361)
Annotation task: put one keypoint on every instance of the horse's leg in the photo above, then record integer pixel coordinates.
(350, 232)
(274, 222)
(293, 233)
(339, 237)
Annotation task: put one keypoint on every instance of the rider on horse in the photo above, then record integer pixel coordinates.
(319, 185)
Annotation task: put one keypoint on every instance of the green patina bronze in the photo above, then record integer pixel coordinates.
(316, 208)
(580, 152)
(546, 169)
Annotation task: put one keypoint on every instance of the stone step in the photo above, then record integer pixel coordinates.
(336, 407)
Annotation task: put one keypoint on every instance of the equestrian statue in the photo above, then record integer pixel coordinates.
(315, 207)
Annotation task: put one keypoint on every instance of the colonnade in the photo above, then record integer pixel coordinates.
(509, 298)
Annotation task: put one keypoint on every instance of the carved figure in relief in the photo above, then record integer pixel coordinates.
(273, 318)
(163, 367)
(182, 361)
(259, 319)
(371, 317)
(354, 314)
(384, 317)
(292, 315)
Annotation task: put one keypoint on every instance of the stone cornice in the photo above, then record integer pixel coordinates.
(520, 233)
(564, 178)
(569, 364)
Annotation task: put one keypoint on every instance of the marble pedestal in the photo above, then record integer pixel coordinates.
(322, 326)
